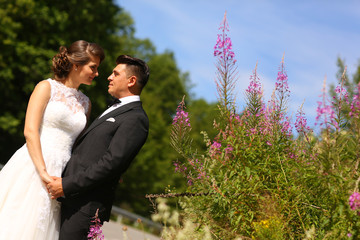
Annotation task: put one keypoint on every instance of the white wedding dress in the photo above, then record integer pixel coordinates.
(26, 210)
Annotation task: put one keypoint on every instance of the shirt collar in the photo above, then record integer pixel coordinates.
(129, 99)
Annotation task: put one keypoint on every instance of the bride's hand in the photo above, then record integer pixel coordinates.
(46, 178)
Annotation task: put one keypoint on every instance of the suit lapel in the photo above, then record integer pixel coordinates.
(114, 113)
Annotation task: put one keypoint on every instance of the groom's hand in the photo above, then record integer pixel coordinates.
(55, 188)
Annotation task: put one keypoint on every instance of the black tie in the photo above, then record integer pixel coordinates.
(115, 101)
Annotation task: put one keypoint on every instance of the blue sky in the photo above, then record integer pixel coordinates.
(312, 34)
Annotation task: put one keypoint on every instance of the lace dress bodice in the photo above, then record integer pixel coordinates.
(64, 119)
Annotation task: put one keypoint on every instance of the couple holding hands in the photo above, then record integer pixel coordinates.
(54, 184)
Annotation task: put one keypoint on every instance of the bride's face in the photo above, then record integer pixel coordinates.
(88, 71)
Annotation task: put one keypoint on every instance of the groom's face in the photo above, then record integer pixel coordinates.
(118, 82)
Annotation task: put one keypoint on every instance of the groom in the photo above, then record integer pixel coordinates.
(103, 152)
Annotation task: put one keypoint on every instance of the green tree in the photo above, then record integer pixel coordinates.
(350, 84)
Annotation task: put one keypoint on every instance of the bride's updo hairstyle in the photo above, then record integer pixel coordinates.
(79, 53)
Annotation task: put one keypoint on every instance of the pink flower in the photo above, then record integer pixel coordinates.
(286, 126)
(216, 145)
(95, 232)
(355, 106)
(214, 148)
(181, 118)
(325, 112)
(301, 122)
(255, 85)
(228, 150)
(354, 201)
(282, 81)
(223, 46)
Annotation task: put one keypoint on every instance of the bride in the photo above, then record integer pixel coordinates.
(57, 113)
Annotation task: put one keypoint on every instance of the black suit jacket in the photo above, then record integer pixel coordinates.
(100, 156)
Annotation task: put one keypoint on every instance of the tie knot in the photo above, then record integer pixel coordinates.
(115, 101)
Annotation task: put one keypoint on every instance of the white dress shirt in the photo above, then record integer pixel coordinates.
(124, 100)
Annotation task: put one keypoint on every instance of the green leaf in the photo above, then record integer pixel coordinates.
(247, 170)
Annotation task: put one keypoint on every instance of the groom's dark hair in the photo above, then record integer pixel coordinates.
(138, 67)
